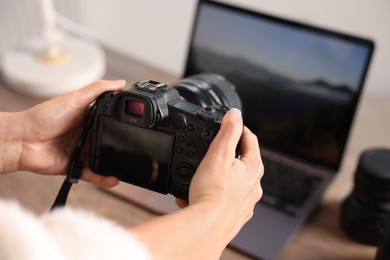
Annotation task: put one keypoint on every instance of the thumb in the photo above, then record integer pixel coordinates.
(93, 90)
(81, 98)
(225, 143)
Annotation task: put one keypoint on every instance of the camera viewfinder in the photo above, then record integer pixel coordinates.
(135, 108)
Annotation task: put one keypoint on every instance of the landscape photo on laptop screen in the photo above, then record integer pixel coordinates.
(299, 86)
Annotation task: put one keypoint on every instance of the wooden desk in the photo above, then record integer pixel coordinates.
(320, 238)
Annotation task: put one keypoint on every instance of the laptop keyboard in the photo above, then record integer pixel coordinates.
(286, 188)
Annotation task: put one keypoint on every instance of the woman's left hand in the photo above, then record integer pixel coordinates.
(47, 133)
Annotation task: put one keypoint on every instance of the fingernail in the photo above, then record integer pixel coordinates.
(235, 111)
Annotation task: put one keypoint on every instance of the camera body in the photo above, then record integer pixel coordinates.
(150, 136)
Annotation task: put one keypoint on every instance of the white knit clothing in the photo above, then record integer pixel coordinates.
(63, 234)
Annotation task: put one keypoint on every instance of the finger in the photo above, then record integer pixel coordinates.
(250, 150)
(92, 91)
(225, 142)
(64, 106)
(99, 180)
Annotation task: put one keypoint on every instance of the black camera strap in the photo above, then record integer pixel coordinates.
(76, 165)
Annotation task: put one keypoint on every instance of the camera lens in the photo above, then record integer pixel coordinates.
(364, 211)
(208, 89)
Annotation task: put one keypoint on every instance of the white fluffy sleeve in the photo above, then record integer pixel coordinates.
(63, 234)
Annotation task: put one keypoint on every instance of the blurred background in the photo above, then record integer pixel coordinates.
(157, 32)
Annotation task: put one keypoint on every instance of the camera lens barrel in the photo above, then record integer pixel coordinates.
(208, 89)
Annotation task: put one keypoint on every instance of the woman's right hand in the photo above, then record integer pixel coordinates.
(231, 185)
(223, 194)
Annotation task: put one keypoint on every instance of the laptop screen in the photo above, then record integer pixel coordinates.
(299, 85)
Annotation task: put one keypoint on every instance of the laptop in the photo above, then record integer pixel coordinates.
(299, 86)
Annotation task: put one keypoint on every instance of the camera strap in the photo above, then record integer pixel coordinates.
(76, 165)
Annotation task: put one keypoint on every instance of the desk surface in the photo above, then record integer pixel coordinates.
(320, 238)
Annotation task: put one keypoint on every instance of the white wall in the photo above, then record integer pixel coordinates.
(158, 31)
(151, 30)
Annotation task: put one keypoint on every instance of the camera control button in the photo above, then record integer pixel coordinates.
(206, 133)
(191, 153)
(179, 150)
(191, 127)
(184, 173)
(181, 139)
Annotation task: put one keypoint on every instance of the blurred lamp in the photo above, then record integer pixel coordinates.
(54, 63)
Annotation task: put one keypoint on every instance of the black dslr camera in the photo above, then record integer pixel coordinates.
(154, 136)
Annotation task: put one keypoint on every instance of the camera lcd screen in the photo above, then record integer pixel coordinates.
(135, 108)
(135, 155)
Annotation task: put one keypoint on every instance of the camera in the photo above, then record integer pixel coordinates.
(154, 136)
